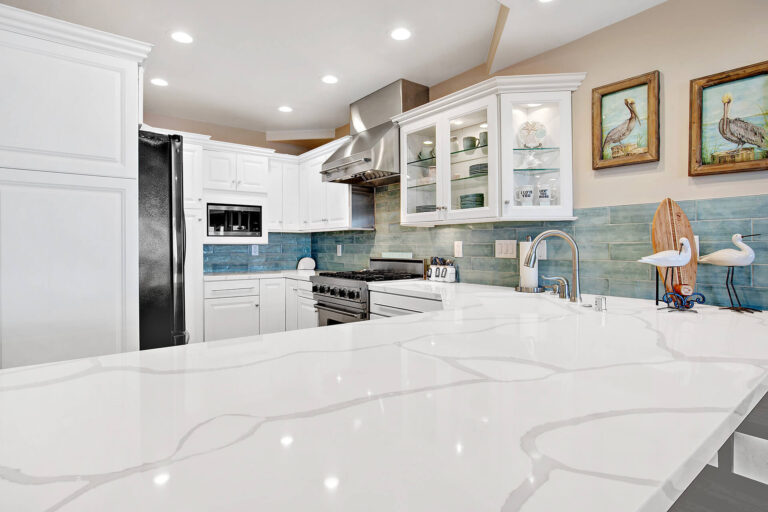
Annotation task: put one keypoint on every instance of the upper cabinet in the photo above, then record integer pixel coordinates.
(499, 150)
(193, 176)
(70, 99)
(241, 171)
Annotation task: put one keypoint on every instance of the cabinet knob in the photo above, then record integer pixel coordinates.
(255, 305)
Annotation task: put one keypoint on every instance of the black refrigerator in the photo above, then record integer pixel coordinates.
(162, 241)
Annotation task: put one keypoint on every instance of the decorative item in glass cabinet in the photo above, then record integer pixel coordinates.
(531, 134)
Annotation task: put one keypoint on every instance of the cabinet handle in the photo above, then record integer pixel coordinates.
(199, 219)
(200, 199)
(255, 305)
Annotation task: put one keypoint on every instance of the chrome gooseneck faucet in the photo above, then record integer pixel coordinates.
(530, 258)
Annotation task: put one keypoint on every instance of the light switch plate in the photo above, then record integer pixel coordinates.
(458, 250)
(338, 249)
(696, 241)
(254, 250)
(506, 248)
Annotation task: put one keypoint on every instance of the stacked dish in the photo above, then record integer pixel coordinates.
(423, 208)
(472, 201)
(478, 170)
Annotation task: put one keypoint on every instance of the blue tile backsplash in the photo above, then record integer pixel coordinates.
(610, 240)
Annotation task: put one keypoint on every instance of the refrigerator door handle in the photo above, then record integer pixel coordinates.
(178, 223)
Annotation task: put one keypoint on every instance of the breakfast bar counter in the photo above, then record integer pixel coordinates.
(500, 402)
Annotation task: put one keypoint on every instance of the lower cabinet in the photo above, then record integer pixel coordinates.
(69, 262)
(193, 275)
(307, 314)
(389, 304)
(231, 317)
(272, 292)
(291, 305)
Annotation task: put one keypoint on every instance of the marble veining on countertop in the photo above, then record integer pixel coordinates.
(501, 402)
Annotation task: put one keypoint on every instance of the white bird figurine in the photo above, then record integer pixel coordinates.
(730, 258)
(671, 258)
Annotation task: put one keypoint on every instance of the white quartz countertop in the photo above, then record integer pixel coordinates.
(501, 402)
(302, 275)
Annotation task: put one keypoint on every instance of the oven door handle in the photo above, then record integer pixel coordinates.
(339, 311)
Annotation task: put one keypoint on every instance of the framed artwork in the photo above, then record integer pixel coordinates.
(729, 122)
(625, 122)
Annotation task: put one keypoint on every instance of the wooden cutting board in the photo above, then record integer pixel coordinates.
(670, 224)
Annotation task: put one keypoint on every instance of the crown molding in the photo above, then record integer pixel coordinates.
(50, 29)
(496, 85)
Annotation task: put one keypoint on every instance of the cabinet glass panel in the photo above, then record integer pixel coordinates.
(536, 156)
(422, 170)
(469, 161)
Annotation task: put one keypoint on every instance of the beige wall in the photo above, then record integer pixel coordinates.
(221, 133)
(683, 39)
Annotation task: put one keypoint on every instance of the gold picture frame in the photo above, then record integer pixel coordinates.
(625, 122)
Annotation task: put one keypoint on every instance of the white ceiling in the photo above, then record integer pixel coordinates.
(251, 56)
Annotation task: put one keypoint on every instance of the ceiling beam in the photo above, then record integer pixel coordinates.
(501, 22)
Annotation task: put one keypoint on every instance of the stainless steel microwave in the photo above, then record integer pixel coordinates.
(232, 220)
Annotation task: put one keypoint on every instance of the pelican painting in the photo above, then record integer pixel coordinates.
(625, 123)
(733, 130)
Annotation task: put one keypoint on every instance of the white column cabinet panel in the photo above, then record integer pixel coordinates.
(337, 207)
(272, 293)
(231, 317)
(193, 275)
(68, 266)
(307, 313)
(219, 170)
(316, 199)
(274, 206)
(67, 109)
(193, 176)
(252, 171)
(291, 197)
(291, 305)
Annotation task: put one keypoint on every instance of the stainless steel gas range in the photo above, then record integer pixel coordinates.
(342, 297)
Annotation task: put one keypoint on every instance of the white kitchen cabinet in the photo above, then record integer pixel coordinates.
(219, 170)
(252, 173)
(498, 150)
(274, 206)
(235, 171)
(337, 207)
(291, 198)
(390, 304)
(70, 97)
(327, 204)
(307, 316)
(291, 305)
(193, 275)
(231, 317)
(272, 294)
(193, 176)
(68, 266)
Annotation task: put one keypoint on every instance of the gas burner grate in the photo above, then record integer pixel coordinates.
(371, 275)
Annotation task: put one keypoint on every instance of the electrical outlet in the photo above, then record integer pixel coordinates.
(696, 241)
(458, 251)
(506, 248)
(338, 249)
(541, 250)
(254, 250)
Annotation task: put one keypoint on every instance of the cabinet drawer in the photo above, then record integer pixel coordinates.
(234, 288)
(387, 304)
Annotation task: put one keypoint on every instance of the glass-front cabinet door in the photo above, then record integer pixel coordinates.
(536, 155)
(420, 187)
(472, 160)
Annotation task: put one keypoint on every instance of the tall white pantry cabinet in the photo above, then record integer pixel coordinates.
(70, 102)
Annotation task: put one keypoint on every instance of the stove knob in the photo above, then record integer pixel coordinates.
(323, 289)
(354, 294)
(334, 291)
(315, 288)
(343, 292)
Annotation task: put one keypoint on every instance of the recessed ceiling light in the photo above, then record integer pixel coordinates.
(533, 105)
(159, 82)
(484, 125)
(329, 79)
(545, 1)
(182, 37)
(400, 34)
(457, 122)
(285, 108)
(428, 142)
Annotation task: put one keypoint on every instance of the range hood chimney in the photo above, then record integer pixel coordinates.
(372, 156)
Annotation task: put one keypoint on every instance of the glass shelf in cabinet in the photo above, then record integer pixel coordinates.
(537, 169)
(536, 149)
(424, 162)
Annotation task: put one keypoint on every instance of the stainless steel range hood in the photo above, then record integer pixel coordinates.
(372, 156)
